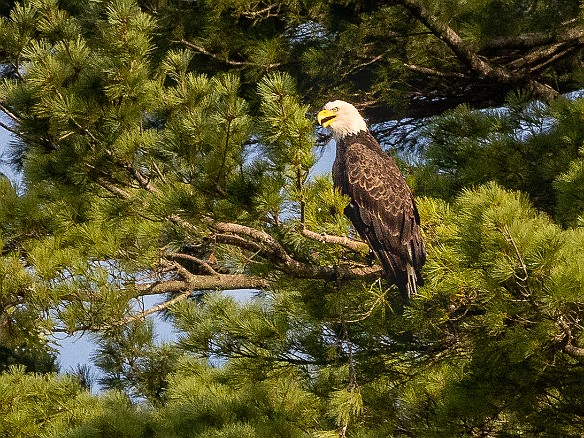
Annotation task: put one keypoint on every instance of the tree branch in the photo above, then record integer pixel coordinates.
(142, 315)
(260, 243)
(112, 188)
(202, 263)
(567, 342)
(203, 282)
(9, 113)
(204, 51)
(452, 40)
(434, 72)
(262, 13)
(541, 57)
(364, 64)
(269, 248)
(9, 128)
(345, 242)
(478, 65)
(212, 55)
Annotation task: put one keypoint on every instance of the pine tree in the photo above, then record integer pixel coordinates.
(166, 150)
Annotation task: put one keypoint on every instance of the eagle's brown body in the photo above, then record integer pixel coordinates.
(382, 208)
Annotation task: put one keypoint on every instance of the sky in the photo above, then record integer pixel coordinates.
(5, 137)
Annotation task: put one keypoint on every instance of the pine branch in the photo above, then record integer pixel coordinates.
(269, 248)
(433, 72)
(9, 128)
(9, 113)
(134, 317)
(353, 245)
(478, 65)
(262, 244)
(204, 51)
(203, 282)
(202, 263)
(445, 33)
(212, 55)
(567, 342)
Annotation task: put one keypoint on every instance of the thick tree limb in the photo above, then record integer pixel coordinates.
(269, 248)
(567, 342)
(202, 263)
(478, 65)
(203, 282)
(351, 244)
(256, 241)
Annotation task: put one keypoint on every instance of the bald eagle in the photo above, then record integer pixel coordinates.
(381, 208)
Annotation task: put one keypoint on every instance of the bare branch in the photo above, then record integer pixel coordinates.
(203, 282)
(541, 57)
(269, 248)
(9, 128)
(204, 51)
(575, 352)
(9, 113)
(152, 310)
(202, 263)
(351, 244)
(364, 64)
(567, 342)
(263, 13)
(434, 72)
(176, 219)
(240, 242)
(535, 40)
(112, 188)
(479, 66)
(143, 180)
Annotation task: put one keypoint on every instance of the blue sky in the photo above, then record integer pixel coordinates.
(5, 137)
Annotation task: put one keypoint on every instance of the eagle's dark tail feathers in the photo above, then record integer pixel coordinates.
(404, 277)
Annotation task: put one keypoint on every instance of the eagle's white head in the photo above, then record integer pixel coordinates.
(341, 118)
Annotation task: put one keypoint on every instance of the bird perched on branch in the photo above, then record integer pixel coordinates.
(382, 208)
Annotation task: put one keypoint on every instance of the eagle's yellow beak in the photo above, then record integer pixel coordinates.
(326, 117)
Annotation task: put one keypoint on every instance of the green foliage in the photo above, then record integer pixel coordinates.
(131, 362)
(113, 415)
(167, 150)
(526, 146)
(31, 404)
(222, 402)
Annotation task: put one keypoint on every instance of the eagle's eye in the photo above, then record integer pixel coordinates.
(335, 109)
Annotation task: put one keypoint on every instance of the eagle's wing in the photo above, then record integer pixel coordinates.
(383, 211)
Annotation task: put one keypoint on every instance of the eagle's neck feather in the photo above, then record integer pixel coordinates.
(352, 127)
